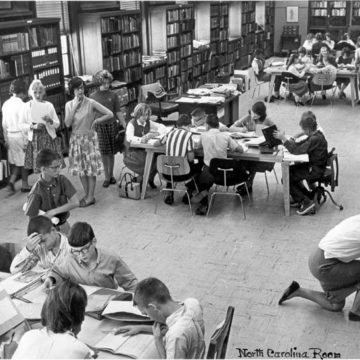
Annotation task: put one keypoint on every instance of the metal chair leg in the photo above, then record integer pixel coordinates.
(267, 184)
(339, 206)
(210, 202)
(275, 174)
(242, 205)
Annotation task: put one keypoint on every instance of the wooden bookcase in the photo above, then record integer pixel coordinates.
(112, 40)
(155, 72)
(172, 30)
(330, 16)
(269, 28)
(201, 63)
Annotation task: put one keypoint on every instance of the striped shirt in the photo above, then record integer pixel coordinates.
(179, 142)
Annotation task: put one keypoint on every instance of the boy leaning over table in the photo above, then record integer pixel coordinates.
(87, 264)
(178, 326)
(44, 246)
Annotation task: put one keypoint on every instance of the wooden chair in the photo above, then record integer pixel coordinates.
(220, 337)
(227, 172)
(174, 169)
(289, 78)
(323, 81)
(258, 83)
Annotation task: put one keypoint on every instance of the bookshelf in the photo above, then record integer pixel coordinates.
(330, 16)
(171, 31)
(269, 28)
(31, 49)
(155, 72)
(201, 66)
(112, 40)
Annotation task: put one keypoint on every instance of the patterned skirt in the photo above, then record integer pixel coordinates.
(106, 135)
(84, 155)
(41, 140)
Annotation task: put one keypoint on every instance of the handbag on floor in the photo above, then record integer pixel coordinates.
(129, 188)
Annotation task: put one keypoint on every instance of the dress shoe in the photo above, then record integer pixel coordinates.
(201, 210)
(290, 290)
(106, 183)
(112, 181)
(307, 208)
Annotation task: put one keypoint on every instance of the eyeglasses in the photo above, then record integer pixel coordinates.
(82, 251)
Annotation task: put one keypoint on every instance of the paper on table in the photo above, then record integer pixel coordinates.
(30, 311)
(295, 158)
(256, 141)
(37, 295)
(20, 281)
(9, 314)
(122, 306)
(243, 135)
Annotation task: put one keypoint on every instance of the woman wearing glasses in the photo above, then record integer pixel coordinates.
(88, 265)
(82, 115)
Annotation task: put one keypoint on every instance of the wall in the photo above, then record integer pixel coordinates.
(280, 20)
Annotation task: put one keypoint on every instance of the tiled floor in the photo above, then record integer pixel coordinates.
(224, 260)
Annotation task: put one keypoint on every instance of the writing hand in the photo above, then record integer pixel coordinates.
(32, 241)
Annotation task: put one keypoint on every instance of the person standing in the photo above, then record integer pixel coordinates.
(107, 130)
(13, 122)
(42, 122)
(81, 114)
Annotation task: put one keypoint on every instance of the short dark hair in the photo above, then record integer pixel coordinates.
(183, 120)
(75, 83)
(302, 50)
(259, 108)
(308, 121)
(18, 86)
(39, 224)
(45, 157)
(318, 36)
(152, 289)
(212, 120)
(81, 233)
(64, 307)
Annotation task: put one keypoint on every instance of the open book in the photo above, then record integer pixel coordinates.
(9, 314)
(124, 311)
(136, 346)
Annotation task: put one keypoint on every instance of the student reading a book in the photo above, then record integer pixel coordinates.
(53, 193)
(198, 119)
(82, 115)
(62, 315)
(44, 246)
(42, 122)
(179, 326)
(255, 120)
(107, 130)
(335, 263)
(13, 124)
(315, 145)
(86, 264)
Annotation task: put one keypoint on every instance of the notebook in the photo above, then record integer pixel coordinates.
(271, 141)
(9, 314)
(124, 311)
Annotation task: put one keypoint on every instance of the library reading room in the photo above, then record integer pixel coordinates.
(177, 180)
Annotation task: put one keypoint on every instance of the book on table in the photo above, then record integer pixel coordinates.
(9, 314)
(124, 311)
(135, 347)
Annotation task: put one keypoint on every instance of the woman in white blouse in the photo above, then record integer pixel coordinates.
(42, 122)
(62, 315)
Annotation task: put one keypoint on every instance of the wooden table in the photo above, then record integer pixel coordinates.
(230, 106)
(252, 154)
(341, 73)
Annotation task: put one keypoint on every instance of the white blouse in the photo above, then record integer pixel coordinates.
(13, 116)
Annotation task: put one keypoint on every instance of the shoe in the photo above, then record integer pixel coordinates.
(10, 188)
(353, 316)
(25, 190)
(169, 199)
(295, 204)
(152, 185)
(307, 208)
(241, 190)
(106, 183)
(83, 203)
(201, 210)
(271, 99)
(290, 290)
(112, 181)
(324, 97)
(278, 97)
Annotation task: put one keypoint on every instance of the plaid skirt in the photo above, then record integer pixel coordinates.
(84, 155)
(106, 135)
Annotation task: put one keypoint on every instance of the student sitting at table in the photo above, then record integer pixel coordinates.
(335, 264)
(344, 59)
(140, 130)
(86, 264)
(179, 142)
(304, 58)
(258, 65)
(53, 193)
(328, 41)
(198, 118)
(179, 326)
(44, 246)
(315, 145)
(62, 315)
(215, 145)
(309, 42)
(317, 45)
(325, 58)
(255, 120)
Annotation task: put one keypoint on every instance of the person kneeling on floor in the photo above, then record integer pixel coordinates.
(315, 145)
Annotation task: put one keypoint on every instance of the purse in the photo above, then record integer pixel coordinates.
(129, 188)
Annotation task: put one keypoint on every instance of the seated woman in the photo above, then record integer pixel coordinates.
(255, 120)
(309, 42)
(299, 88)
(330, 43)
(315, 145)
(62, 315)
(141, 129)
(335, 263)
(304, 58)
(344, 59)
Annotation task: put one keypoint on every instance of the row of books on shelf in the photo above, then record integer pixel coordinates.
(248, 28)
(179, 14)
(131, 23)
(133, 93)
(173, 70)
(118, 62)
(44, 36)
(49, 77)
(172, 29)
(173, 15)
(132, 74)
(248, 17)
(187, 26)
(186, 63)
(338, 12)
(172, 41)
(12, 43)
(16, 65)
(318, 4)
(123, 23)
(173, 56)
(319, 12)
(356, 12)
(152, 77)
(201, 57)
(185, 50)
(173, 82)
(224, 22)
(186, 13)
(249, 6)
(44, 57)
(111, 44)
(185, 39)
(130, 41)
(186, 75)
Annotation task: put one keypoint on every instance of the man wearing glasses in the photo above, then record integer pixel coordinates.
(53, 195)
(88, 265)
